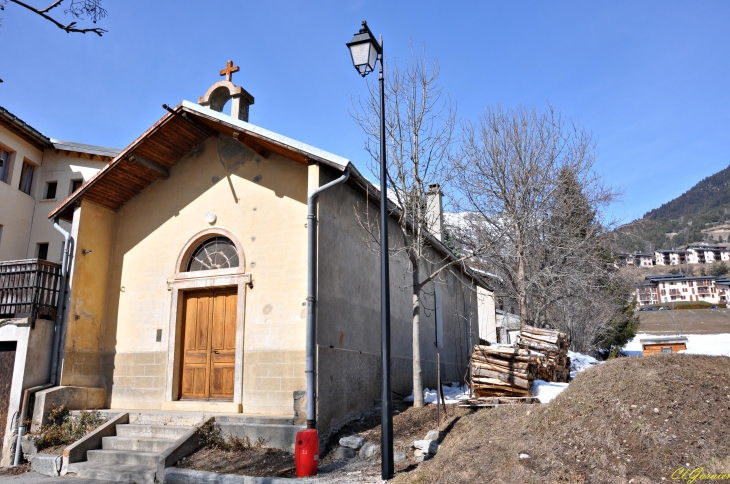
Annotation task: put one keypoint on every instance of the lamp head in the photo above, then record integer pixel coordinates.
(364, 50)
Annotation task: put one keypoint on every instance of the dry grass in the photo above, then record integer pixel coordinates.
(237, 455)
(630, 418)
(63, 429)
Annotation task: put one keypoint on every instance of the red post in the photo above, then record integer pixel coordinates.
(306, 453)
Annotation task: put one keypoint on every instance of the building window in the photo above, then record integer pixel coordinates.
(51, 190)
(26, 178)
(214, 253)
(1, 234)
(42, 251)
(75, 185)
(4, 165)
(666, 350)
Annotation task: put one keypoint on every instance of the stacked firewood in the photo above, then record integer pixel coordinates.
(502, 371)
(553, 344)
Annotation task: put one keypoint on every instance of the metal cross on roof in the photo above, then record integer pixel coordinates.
(229, 70)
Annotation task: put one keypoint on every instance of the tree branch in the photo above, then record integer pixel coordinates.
(71, 27)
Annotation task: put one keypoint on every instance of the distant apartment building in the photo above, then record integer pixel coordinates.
(707, 254)
(637, 259)
(670, 257)
(680, 287)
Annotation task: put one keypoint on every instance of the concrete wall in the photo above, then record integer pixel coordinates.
(263, 203)
(348, 332)
(32, 360)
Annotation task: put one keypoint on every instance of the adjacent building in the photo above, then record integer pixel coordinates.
(36, 173)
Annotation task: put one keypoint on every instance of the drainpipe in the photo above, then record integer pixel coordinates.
(65, 258)
(61, 300)
(23, 409)
(311, 298)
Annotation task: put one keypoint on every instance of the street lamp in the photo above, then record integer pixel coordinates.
(366, 51)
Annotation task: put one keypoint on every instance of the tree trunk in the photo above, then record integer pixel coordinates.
(417, 371)
(521, 283)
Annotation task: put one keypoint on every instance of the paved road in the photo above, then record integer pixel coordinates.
(35, 478)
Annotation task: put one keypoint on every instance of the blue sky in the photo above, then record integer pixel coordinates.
(649, 79)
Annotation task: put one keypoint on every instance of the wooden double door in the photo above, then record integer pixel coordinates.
(209, 345)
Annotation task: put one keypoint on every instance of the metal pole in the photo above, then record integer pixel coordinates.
(388, 467)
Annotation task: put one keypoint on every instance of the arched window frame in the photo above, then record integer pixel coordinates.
(223, 250)
(200, 237)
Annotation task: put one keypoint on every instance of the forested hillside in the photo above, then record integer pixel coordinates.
(681, 221)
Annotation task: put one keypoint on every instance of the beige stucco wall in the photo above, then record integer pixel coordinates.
(263, 203)
(16, 208)
(93, 231)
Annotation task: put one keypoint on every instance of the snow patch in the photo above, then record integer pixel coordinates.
(452, 394)
(546, 390)
(580, 362)
(697, 344)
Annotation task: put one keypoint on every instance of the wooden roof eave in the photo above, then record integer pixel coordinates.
(65, 209)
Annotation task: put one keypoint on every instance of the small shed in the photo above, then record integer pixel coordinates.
(669, 344)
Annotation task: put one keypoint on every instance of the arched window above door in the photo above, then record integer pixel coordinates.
(217, 252)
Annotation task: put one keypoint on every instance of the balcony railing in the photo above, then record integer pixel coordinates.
(29, 289)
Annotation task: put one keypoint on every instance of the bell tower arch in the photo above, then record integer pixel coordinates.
(222, 91)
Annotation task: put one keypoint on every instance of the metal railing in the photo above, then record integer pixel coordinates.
(29, 289)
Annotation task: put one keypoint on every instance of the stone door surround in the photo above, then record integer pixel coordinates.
(188, 281)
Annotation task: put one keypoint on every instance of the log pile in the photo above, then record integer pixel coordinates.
(502, 371)
(553, 344)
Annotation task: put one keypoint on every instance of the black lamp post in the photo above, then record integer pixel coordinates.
(366, 51)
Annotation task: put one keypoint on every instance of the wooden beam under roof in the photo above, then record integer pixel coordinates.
(134, 158)
(251, 144)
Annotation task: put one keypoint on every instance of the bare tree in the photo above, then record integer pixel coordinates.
(530, 193)
(78, 9)
(420, 125)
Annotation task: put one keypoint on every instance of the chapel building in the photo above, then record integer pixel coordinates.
(187, 280)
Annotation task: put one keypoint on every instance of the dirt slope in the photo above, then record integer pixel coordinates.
(629, 420)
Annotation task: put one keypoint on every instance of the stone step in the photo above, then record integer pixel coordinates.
(158, 431)
(116, 473)
(101, 457)
(253, 419)
(159, 417)
(137, 444)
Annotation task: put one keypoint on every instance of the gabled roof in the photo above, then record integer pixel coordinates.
(24, 130)
(663, 340)
(158, 149)
(100, 151)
